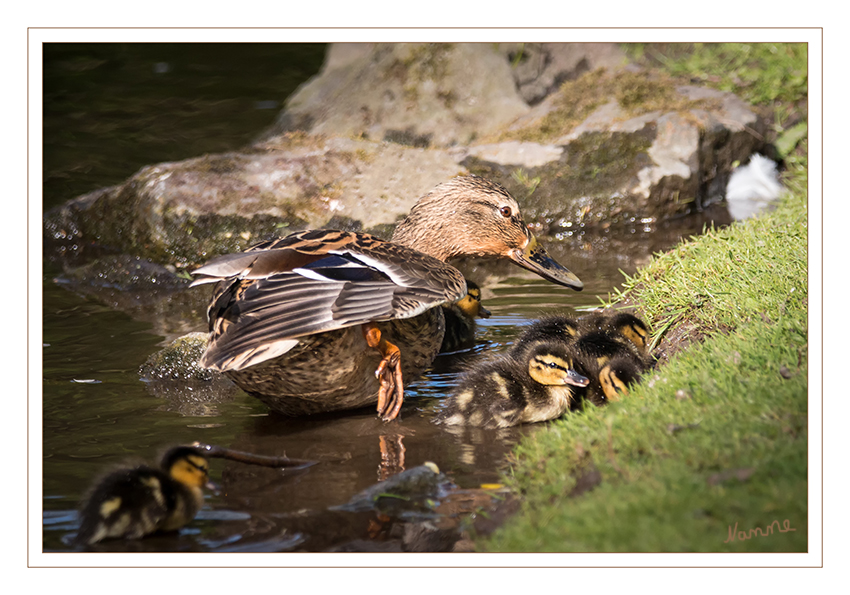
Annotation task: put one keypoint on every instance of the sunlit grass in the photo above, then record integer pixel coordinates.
(715, 437)
(760, 73)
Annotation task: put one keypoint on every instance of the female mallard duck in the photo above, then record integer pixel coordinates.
(305, 323)
(135, 501)
(460, 319)
(520, 387)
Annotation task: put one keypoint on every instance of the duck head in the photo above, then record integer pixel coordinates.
(471, 302)
(551, 364)
(188, 465)
(472, 216)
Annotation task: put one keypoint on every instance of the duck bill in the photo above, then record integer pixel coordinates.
(576, 379)
(535, 258)
(484, 312)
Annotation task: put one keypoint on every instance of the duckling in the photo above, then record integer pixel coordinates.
(610, 350)
(611, 362)
(548, 328)
(633, 329)
(460, 319)
(307, 323)
(617, 376)
(623, 327)
(519, 387)
(132, 502)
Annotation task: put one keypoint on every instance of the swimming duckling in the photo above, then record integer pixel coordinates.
(460, 319)
(135, 501)
(519, 387)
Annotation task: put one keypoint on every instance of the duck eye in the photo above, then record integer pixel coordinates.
(505, 211)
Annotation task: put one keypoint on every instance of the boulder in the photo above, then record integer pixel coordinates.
(188, 211)
(620, 147)
(423, 95)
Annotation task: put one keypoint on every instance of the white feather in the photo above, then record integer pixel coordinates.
(311, 274)
(752, 188)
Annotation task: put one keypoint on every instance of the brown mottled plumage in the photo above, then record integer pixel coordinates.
(304, 322)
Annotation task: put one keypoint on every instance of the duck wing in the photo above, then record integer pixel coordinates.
(312, 282)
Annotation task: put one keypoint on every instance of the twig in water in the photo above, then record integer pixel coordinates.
(250, 458)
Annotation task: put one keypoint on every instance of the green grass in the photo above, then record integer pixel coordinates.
(760, 73)
(732, 404)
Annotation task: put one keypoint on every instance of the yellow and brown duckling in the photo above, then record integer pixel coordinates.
(623, 327)
(610, 362)
(460, 319)
(135, 501)
(306, 322)
(610, 350)
(554, 327)
(533, 385)
(616, 377)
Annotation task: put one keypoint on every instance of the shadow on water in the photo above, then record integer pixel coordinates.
(97, 412)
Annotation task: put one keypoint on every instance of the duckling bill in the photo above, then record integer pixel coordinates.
(523, 387)
(132, 502)
(306, 323)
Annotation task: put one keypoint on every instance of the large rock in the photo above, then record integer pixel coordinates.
(622, 146)
(435, 95)
(185, 212)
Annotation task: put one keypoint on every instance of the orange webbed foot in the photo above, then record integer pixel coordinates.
(391, 393)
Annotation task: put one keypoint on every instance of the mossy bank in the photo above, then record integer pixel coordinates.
(713, 444)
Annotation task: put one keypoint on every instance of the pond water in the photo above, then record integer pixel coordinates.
(98, 413)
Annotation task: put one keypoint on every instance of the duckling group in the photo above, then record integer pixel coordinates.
(555, 366)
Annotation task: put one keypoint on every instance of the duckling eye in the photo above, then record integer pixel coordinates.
(505, 211)
(553, 365)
